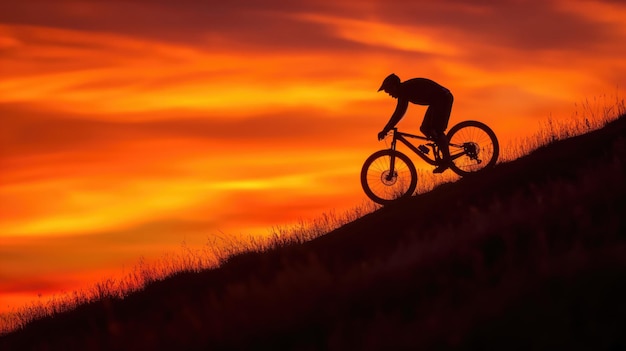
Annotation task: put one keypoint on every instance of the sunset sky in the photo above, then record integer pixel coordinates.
(130, 127)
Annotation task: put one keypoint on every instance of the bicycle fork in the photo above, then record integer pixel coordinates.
(392, 159)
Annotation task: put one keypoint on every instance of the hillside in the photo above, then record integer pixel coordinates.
(528, 255)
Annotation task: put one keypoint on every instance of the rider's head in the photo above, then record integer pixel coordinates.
(390, 85)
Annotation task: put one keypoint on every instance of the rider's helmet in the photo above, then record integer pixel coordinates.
(391, 81)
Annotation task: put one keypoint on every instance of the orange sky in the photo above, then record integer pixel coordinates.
(128, 128)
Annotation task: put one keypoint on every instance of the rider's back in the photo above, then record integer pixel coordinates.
(422, 91)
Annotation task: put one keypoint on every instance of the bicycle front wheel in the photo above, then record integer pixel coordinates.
(381, 183)
(473, 147)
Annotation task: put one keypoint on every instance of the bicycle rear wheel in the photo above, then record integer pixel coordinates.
(473, 147)
(383, 186)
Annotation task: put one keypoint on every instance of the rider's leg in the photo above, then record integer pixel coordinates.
(427, 124)
(441, 113)
(442, 142)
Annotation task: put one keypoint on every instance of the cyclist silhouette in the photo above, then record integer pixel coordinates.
(422, 91)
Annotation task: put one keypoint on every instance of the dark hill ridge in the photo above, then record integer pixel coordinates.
(528, 255)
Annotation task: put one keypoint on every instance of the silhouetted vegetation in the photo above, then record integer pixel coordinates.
(530, 255)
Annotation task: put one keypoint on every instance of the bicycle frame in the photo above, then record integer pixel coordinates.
(402, 137)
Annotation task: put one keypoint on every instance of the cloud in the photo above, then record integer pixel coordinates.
(78, 71)
(109, 67)
(516, 24)
(261, 24)
(70, 174)
(207, 24)
(28, 130)
(384, 35)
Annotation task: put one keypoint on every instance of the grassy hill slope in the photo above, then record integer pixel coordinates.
(528, 255)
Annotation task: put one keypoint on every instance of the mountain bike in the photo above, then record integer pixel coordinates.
(389, 174)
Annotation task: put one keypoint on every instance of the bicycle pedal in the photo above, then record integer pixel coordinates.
(423, 149)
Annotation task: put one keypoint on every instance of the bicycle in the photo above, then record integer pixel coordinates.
(389, 174)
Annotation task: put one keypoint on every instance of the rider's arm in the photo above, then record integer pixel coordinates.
(401, 107)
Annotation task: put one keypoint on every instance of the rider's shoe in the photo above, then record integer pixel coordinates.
(442, 165)
(440, 168)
